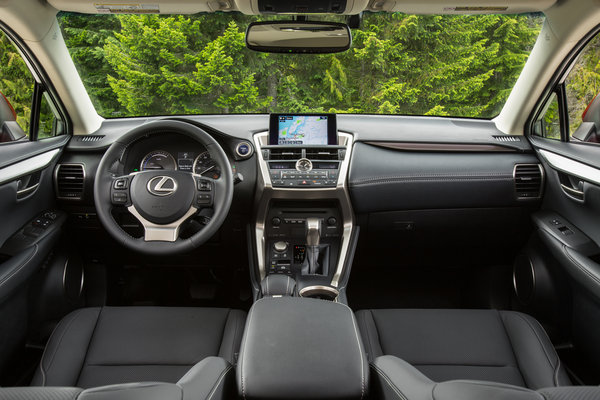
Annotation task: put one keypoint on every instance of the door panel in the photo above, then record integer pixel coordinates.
(570, 230)
(28, 232)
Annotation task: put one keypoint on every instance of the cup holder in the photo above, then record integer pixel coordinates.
(320, 292)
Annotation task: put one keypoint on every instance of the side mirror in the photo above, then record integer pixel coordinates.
(298, 37)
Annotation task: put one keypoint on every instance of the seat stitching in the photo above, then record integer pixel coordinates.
(390, 383)
(234, 340)
(432, 364)
(362, 360)
(377, 330)
(16, 270)
(538, 338)
(368, 334)
(243, 350)
(287, 285)
(78, 312)
(89, 344)
(221, 350)
(216, 386)
(556, 373)
(512, 347)
(140, 365)
(580, 267)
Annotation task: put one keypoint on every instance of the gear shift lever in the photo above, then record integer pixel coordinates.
(313, 239)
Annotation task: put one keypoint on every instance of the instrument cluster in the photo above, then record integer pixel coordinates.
(201, 163)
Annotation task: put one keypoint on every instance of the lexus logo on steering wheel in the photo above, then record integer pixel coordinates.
(162, 186)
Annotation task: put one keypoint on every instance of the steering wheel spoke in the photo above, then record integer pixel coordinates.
(161, 232)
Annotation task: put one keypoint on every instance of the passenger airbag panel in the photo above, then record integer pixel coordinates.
(384, 180)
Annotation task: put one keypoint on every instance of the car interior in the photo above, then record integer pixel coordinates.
(265, 249)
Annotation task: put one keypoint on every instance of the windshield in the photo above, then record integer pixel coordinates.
(452, 65)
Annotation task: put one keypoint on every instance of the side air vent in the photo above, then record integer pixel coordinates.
(528, 181)
(285, 154)
(506, 138)
(322, 154)
(69, 180)
(89, 138)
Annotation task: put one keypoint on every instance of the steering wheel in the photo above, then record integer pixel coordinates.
(161, 200)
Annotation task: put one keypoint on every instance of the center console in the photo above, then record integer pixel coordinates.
(304, 225)
(297, 348)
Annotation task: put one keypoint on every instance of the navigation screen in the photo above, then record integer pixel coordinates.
(289, 130)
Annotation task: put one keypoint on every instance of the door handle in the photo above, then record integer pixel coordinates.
(28, 184)
(575, 194)
(571, 186)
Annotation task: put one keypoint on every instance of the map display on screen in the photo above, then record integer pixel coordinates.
(302, 130)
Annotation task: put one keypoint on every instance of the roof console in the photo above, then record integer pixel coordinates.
(301, 6)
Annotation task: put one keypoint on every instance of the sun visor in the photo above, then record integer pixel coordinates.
(460, 7)
(143, 7)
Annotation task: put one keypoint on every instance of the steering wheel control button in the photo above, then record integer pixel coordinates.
(204, 199)
(162, 185)
(121, 184)
(119, 198)
(204, 185)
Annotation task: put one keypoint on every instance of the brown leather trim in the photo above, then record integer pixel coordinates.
(456, 147)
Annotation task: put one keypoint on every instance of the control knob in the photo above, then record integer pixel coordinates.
(280, 246)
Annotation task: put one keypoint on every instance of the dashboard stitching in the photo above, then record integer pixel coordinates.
(433, 179)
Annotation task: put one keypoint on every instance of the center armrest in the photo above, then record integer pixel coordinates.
(301, 348)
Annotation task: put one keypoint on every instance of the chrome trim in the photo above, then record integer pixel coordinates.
(267, 192)
(533, 280)
(64, 278)
(313, 231)
(27, 166)
(309, 165)
(319, 288)
(159, 189)
(571, 167)
(542, 180)
(158, 151)
(237, 151)
(27, 190)
(166, 232)
(56, 181)
(574, 194)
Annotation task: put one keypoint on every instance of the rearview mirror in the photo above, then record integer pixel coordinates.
(298, 37)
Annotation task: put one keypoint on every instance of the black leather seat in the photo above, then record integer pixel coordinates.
(497, 346)
(101, 346)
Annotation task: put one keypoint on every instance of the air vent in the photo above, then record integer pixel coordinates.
(69, 181)
(322, 154)
(285, 154)
(90, 138)
(528, 181)
(506, 138)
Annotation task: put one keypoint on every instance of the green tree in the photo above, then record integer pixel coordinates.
(16, 81)
(164, 65)
(85, 37)
(398, 64)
